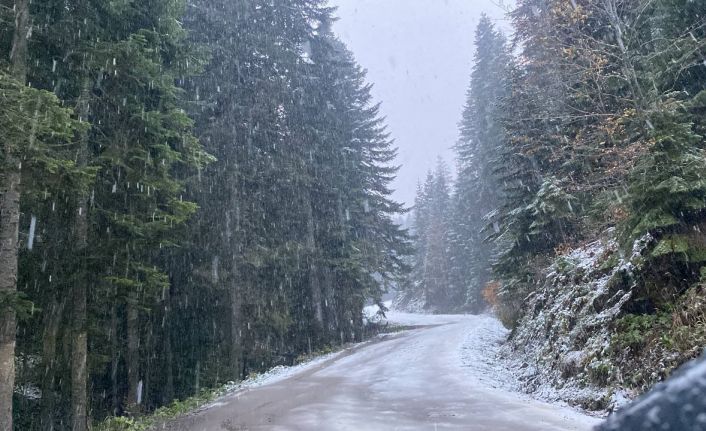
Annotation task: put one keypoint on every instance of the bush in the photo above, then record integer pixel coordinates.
(491, 292)
(633, 331)
(122, 424)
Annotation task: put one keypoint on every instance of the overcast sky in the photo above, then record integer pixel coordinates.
(419, 55)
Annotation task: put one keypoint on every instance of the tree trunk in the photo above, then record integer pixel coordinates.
(235, 334)
(115, 356)
(328, 302)
(197, 377)
(79, 347)
(79, 355)
(51, 326)
(145, 393)
(133, 353)
(168, 393)
(10, 190)
(314, 282)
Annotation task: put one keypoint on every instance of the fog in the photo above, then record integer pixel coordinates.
(419, 55)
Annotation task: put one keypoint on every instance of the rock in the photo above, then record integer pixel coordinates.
(572, 363)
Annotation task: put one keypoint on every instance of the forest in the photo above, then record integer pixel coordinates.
(196, 191)
(579, 199)
(190, 192)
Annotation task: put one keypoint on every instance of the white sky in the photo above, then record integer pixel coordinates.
(418, 54)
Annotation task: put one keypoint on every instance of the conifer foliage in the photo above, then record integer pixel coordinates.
(428, 287)
(477, 190)
(590, 121)
(189, 193)
(602, 131)
(452, 263)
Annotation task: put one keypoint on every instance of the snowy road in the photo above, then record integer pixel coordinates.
(415, 380)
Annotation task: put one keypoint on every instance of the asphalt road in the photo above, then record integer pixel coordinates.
(413, 380)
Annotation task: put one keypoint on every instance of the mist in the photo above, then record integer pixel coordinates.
(419, 56)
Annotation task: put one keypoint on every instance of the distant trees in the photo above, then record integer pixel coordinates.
(429, 287)
(478, 190)
(595, 123)
(453, 263)
(188, 193)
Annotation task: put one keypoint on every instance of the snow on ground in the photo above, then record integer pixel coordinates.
(480, 352)
(441, 375)
(482, 355)
(272, 376)
(560, 349)
(445, 374)
(371, 313)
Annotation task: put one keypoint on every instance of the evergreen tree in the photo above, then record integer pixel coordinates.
(429, 285)
(477, 190)
(36, 161)
(590, 108)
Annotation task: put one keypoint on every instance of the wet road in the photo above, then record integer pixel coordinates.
(415, 380)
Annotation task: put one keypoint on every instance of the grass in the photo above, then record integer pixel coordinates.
(662, 341)
(171, 411)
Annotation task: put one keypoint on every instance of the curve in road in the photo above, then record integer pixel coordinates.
(415, 380)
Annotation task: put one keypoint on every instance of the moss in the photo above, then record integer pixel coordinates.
(697, 254)
(171, 411)
(122, 424)
(564, 265)
(685, 247)
(610, 263)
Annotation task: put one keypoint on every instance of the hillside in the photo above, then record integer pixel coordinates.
(579, 199)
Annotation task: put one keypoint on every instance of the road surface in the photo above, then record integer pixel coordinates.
(414, 380)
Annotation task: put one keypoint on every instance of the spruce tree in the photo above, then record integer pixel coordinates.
(477, 191)
(36, 159)
(430, 286)
(164, 270)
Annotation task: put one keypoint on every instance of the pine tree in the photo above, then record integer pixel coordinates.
(477, 191)
(429, 285)
(36, 157)
(666, 198)
(184, 270)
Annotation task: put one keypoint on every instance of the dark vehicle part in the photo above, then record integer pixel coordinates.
(677, 404)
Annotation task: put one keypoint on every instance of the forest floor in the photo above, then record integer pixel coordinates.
(442, 375)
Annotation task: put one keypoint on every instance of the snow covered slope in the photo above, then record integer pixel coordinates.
(561, 344)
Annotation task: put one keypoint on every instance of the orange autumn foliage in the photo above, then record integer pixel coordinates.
(490, 293)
